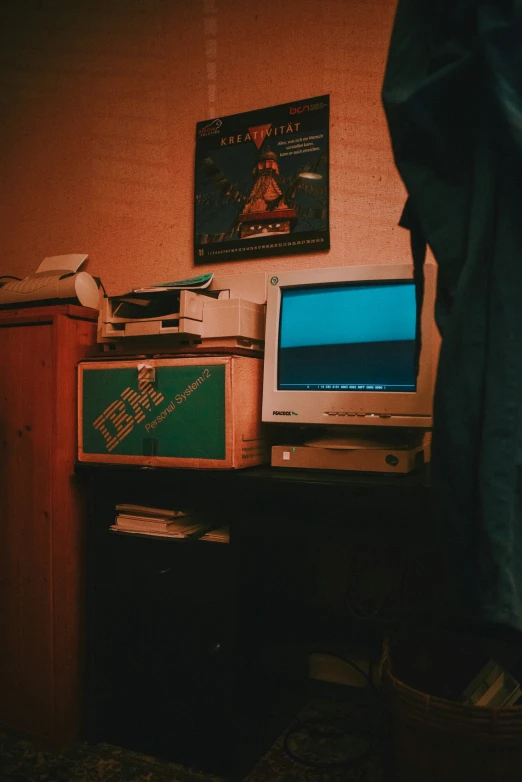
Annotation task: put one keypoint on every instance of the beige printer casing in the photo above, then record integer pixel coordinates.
(57, 277)
(233, 317)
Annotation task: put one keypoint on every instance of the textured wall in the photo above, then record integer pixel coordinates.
(98, 105)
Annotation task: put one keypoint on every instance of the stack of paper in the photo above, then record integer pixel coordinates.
(145, 520)
(220, 535)
(150, 302)
(198, 283)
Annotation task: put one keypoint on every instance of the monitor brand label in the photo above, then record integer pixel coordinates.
(283, 412)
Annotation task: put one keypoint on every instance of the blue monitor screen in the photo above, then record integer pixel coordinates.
(349, 336)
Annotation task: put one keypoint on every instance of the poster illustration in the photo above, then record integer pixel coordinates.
(261, 183)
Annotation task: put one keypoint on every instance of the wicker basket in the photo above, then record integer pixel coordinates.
(436, 740)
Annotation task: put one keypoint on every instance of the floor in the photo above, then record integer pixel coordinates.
(25, 761)
(331, 740)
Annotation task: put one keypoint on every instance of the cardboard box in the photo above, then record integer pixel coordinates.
(172, 412)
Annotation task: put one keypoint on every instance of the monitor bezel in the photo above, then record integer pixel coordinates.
(336, 407)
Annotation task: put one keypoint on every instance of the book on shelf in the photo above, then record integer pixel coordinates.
(148, 511)
(186, 528)
(167, 522)
(182, 527)
(143, 522)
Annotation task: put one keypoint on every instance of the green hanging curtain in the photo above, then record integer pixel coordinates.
(452, 94)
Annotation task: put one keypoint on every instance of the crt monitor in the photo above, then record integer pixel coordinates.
(341, 347)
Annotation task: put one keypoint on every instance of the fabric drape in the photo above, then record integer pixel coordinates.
(452, 94)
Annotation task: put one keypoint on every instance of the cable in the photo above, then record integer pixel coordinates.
(7, 277)
(399, 582)
(101, 285)
(349, 663)
(324, 727)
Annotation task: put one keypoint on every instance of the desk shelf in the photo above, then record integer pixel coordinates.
(249, 596)
(394, 506)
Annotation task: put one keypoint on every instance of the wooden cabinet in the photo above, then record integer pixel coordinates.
(41, 520)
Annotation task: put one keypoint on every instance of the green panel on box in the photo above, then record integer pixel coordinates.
(181, 414)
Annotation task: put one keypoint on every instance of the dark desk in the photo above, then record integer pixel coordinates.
(178, 631)
(283, 496)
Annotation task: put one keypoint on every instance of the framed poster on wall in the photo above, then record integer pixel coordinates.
(262, 184)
